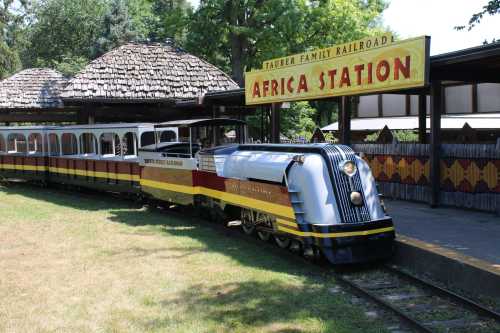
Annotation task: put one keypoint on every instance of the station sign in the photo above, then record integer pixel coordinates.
(371, 65)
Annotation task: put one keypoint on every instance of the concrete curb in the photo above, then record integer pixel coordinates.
(454, 269)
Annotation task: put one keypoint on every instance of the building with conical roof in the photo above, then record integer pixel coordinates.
(34, 95)
(143, 82)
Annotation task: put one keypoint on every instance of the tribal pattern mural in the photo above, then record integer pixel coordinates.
(470, 175)
(478, 175)
(400, 169)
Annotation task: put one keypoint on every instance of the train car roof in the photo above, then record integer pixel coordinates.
(26, 128)
(103, 126)
(201, 122)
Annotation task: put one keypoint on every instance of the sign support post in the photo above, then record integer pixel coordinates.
(422, 118)
(435, 141)
(345, 120)
(275, 122)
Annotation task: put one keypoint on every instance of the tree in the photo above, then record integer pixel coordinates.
(170, 20)
(12, 17)
(491, 8)
(117, 28)
(141, 16)
(64, 32)
(240, 34)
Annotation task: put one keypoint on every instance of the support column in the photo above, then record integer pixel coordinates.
(345, 120)
(262, 129)
(435, 141)
(422, 118)
(275, 123)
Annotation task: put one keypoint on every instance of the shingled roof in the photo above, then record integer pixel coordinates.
(146, 73)
(33, 88)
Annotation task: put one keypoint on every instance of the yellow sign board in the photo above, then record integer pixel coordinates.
(349, 69)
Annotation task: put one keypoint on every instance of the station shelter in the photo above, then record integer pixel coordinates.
(431, 170)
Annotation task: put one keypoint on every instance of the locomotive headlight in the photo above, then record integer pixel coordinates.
(356, 198)
(348, 167)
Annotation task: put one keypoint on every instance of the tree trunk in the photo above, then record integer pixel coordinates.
(237, 59)
(236, 20)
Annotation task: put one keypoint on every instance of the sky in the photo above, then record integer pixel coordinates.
(436, 18)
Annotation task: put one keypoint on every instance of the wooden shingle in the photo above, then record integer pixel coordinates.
(33, 88)
(146, 73)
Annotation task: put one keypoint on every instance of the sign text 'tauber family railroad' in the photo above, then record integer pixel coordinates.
(369, 65)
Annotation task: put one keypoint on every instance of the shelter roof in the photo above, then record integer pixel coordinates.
(33, 88)
(146, 73)
(201, 122)
(475, 64)
(448, 122)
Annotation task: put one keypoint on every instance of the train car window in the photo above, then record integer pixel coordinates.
(129, 144)
(2, 144)
(88, 144)
(168, 136)
(35, 144)
(110, 145)
(16, 143)
(69, 144)
(147, 138)
(54, 145)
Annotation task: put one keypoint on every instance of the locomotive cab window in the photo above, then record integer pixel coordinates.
(16, 143)
(129, 145)
(54, 148)
(88, 144)
(69, 144)
(35, 144)
(110, 145)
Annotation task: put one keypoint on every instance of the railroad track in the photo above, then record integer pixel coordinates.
(419, 304)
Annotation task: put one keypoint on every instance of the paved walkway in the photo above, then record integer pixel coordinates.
(472, 233)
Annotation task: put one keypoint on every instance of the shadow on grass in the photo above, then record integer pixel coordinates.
(271, 305)
(266, 306)
(79, 199)
(274, 306)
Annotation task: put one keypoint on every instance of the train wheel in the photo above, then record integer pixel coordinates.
(247, 221)
(248, 228)
(296, 246)
(264, 235)
(283, 242)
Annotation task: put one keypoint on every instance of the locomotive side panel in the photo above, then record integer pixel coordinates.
(171, 185)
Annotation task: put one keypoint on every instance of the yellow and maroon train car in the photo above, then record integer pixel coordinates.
(318, 197)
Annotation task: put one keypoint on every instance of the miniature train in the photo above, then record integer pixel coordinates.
(320, 198)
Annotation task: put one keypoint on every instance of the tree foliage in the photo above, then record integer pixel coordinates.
(116, 28)
(64, 30)
(240, 34)
(12, 17)
(491, 8)
(170, 20)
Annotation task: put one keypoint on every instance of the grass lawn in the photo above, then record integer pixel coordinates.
(74, 262)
